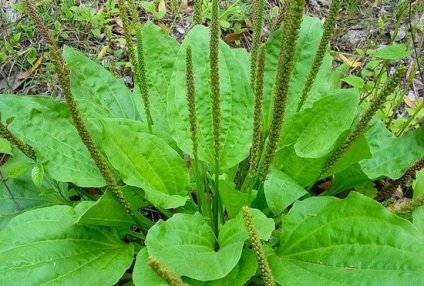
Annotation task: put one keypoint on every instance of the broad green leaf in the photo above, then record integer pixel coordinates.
(281, 191)
(419, 183)
(392, 156)
(45, 125)
(305, 171)
(95, 213)
(354, 81)
(418, 218)
(240, 274)
(328, 241)
(160, 52)
(357, 151)
(306, 47)
(190, 239)
(418, 214)
(18, 195)
(236, 102)
(97, 92)
(149, 7)
(243, 57)
(17, 164)
(143, 275)
(233, 199)
(5, 146)
(337, 75)
(141, 127)
(393, 52)
(37, 175)
(367, 189)
(315, 130)
(146, 161)
(47, 247)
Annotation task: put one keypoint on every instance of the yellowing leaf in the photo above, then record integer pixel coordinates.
(162, 6)
(37, 64)
(27, 73)
(103, 52)
(352, 63)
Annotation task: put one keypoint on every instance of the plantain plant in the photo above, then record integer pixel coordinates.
(208, 172)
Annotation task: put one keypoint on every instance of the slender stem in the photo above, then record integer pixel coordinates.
(412, 117)
(216, 109)
(286, 55)
(204, 205)
(320, 54)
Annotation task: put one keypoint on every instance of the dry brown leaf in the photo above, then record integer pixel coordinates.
(164, 27)
(100, 10)
(231, 38)
(119, 27)
(409, 102)
(118, 21)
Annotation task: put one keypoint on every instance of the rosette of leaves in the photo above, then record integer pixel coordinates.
(322, 241)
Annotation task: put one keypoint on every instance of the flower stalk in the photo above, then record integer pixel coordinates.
(216, 108)
(257, 122)
(290, 34)
(204, 206)
(9, 136)
(257, 247)
(257, 32)
(388, 191)
(363, 122)
(164, 272)
(197, 12)
(319, 56)
(137, 60)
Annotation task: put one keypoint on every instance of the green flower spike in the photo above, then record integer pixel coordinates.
(319, 56)
(389, 190)
(64, 81)
(292, 22)
(164, 272)
(197, 12)
(138, 62)
(264, 268)
(25, 148)
(191, 99)
(409, 207)
(216, 109)
(204, 206)
(257, 125)
(280, 17)
(214, 69)
(359, 128)
(258, 21)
